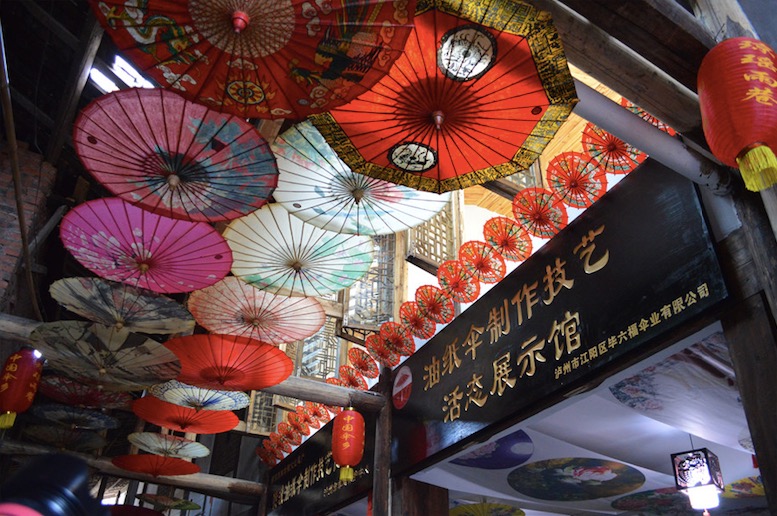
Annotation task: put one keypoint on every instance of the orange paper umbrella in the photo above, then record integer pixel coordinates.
(457, 281)
(397, 338)
(482, 261)
(306, 416)
(297, 423)
(363, 362)
(318, 411)
(539, 211)
(434, 303)
(266, 454)
(611, 153)
(420, 325)
(577, 180)
(380, 351)
(352, 378)
(280, 443)
(508, 238)
(229, 362)
(155, 465)
(184, 419)
(291, 434)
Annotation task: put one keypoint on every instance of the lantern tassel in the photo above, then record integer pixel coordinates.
(7, 420)
(758, 165)
(346, 473)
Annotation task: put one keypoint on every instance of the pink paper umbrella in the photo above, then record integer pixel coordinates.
(122, 242)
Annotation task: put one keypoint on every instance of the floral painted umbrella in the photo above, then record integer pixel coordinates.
(380, 351)
(352, 378)
(168, 445)
(577, 180)
(260, 59)
(279, 253)
(115, 359)
(281, 443)
(234, 307)
(155, 465)
(540, 212)
(198, 398)
(122, 242)
(124, 306)
(78, 394)
(173, 157)
(305, 415)
(318, 411)
(478, 93)
(297, 423)
(266, 453)
(611, 153)
(316, 186)
(65, 438)
(434, 303)
(397, 338)
(291, 434)
(411, 316)
(458, 282)
(362, 362)
(508, 238)
(184, 419)
(74, 417)
(482, 261)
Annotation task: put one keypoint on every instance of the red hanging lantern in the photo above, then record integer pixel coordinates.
(348, 442)
(18, 384)
(737, 85)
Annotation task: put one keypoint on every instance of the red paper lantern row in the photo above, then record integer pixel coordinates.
(18, 384)
(737, 85)
(348, 442)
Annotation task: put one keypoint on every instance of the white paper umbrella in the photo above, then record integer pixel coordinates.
(199, 398)
(316, 186)
(168, 445)
(279, 253)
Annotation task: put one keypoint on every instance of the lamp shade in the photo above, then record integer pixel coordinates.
(348, 442)
(737, 85)
(18, 384)
(697, 473)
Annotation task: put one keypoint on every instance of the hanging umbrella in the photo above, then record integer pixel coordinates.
(508, 238)
(397, 338)
(115, 359)
(260, 59)
(122, 242)
(74, 417)
(111, 303)
(155, 149)
(198, 398)
(266, 454)
(305, 415)
(133, 510)
(168, 503)
(291, 434)
(352, 378)
(482, 261)
(363, 362)
(155, 465)
(280, 444)
(611, 153)
(576, 180)
(168, 445)
(65, 438)
(647, 116)
(434, 303)
(234, 307)
(71, 392)
(539, 211)
(411, 316)
(297, 423)
(318, 411)
(277, 252)
(229, 362)
(478, 93)
(184, 419)
(457, 281)
(380, 351)
(317, 187)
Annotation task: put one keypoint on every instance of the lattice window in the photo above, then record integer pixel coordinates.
(319, 355)
(434, 241)
(371, 300)
(260, 416)
(528, 178)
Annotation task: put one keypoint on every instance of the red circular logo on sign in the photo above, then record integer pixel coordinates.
(403, 385)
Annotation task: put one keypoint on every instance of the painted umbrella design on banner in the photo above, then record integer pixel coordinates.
(117, 304)
(577, 181)
(319, 188)
(78, 394)
(611, 153)
(508, 238)
(184, 419)
(168, 445)
(155, 465)
(257, 58)
(279, 253)
(74, 417)
(478, 93)
(173, 157)
(456, 279)
(540, 212)
(199, 398)
(122, 242)
(482, 262)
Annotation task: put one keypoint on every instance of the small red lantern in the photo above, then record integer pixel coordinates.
(18, 384)
(737, 85)
(348, 442)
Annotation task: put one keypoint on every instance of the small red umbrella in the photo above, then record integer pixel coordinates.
(291, 434)
(266, 454)
(352, 378)
(380, 351)
(539, 211)
(647, 116)
(184, 419)
(318, 411)
(397, 338)
(229, 362)
(306, 416)
(363, 362)
(482, 261)
(297, 423)
(72, 392)
(155, 465)
(457, 281)
(280, 443)
(611, 153)
(508, 238)
(577, 180)
(420, 325)
(434, 303)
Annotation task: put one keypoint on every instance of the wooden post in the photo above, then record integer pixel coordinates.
(412, 498)
(382, 460)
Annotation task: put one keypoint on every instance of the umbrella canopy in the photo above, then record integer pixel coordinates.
(167, 503)
(577, 180)
(611, 153)
(434, 303)
(280, 444)
(397, 338)
(65, 438)
(234, 307)
(168, 445)
(291, 434)
(306, 415)
(362, 362)
(318, 187)
(124, 306)
(482, 262)
(420, 325)
(508, 238)
(122, 242)
(183, 419)
(279, 253)
(229, 362)
(478, 93)
(318, 411)
(352, 378)
(115, 359)
(72, 392)
(74, 417)
(199, 398)
(540, 212)
(298, 423)
(173, 157)
(457, 281)
(260, 59)
(155, 465)
(382, 353)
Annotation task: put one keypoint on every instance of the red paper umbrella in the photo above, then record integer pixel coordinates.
(291, 434)
(307, 417)
(281, 443)
(539, 211)
(229, 362)
(647, 116)
(297, 423)
(260, 59)
(434, 303)
(155, 149)
(577, 180)
(380, 351)
(508, 238)
(457, 281)
(363, 362)
(155, 465)
(397, 338)
(420, 325)
(184, 419)
(482, 261)
(266, 454)
(611, 153)
(71, 392)
(318, 411)
(352, 378)
(122, 242)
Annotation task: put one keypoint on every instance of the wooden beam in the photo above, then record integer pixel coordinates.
(322, 392)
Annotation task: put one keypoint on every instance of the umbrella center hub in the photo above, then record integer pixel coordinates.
(173, 181)
(143, 266)
(358, 194)
(438, 117)
(296, 265)
(240, 20)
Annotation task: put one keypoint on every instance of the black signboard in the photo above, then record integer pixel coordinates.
(635, 265)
